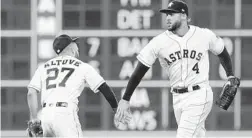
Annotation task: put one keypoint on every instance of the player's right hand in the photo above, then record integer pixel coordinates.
(123, 113)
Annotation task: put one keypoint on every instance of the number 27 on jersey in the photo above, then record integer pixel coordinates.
(56, 72)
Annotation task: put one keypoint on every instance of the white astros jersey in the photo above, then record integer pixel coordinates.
(185, 59)
(63, 78)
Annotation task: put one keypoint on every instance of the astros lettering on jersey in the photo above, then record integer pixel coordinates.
(185, 59)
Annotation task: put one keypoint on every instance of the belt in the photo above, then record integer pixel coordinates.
(58, 104)
(184, 90)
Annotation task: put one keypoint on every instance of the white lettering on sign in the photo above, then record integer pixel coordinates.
(94, 42)
(135, 3)
(46, 25)
(145, 120)
(45, 49)
(128, 68)
(46, 6)
(95, 64)
(135, 19)
(140, 97)
(127, 47)
(144, 3)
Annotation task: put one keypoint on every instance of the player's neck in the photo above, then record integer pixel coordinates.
(66, 54)
(182, 30)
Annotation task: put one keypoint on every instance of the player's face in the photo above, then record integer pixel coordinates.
(173, 21)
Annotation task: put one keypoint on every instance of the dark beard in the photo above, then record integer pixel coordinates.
(175, 26)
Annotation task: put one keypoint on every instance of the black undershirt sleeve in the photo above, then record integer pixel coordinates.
(134, 80)
(226, 62)
(109, 95)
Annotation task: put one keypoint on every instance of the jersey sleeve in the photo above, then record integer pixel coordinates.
(147, 55)
(36, 80)
(93, 78)
(216, 45)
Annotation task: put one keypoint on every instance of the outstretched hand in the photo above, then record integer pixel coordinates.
(123, 114)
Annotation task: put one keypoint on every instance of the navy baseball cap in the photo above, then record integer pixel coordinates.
(61, 42)
(176, 6)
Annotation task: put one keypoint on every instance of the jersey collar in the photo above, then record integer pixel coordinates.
(185, 37)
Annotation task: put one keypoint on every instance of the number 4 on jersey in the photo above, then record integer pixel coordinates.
(196, 68)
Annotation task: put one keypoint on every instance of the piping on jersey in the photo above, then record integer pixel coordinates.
(187, 48)
(180, 51)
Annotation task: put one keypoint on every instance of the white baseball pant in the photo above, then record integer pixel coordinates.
(60, 121)
(191, 110)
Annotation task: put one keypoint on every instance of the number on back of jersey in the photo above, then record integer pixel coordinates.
(55, 72)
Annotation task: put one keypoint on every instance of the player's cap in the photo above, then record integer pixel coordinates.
(176, 6)
(61, 42)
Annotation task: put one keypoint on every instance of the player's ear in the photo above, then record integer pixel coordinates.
(188, 19)
(183, 16)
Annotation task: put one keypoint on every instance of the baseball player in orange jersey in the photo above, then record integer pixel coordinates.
(60, 82)
(182, 51)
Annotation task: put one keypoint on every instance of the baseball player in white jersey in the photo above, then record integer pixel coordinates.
(60, 82)
(182, 51)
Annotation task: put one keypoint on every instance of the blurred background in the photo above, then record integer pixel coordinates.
(111, 33)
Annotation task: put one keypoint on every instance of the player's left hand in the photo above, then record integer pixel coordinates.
(228, 92)
(123, 114)
(35, 128)
(234, 81)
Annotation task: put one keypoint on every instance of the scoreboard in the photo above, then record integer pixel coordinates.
(136, 14)
(121, 54)
(111, 33)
